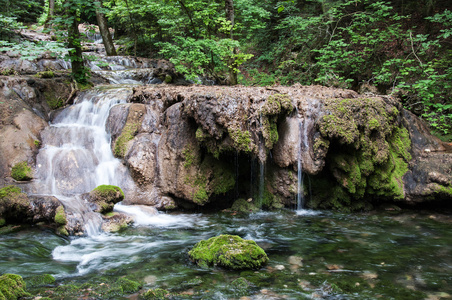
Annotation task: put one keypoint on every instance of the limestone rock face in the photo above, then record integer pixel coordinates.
(202, 145)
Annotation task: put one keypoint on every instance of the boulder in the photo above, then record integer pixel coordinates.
(230, 252)
(104, 197)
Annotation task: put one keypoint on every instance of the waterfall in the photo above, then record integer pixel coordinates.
(302, 146)
(261, 183)
(76, 156)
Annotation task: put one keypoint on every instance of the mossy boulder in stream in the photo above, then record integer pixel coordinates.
(12, 287)
(230, 252)
(104, 197)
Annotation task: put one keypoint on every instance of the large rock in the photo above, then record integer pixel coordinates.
(230, 252)
(355, 151)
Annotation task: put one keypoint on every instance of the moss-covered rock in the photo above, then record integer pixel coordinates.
(155, 294)
(14, 205)
(22, 172)
(60, 216)
(129, 286)
(228, 251)
(40, 280)
(105, 197)
(12, 287)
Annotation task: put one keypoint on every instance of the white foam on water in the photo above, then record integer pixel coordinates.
(103, 251)
(307, 212)
(143, 218)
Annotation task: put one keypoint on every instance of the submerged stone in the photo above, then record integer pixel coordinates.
(230, 252)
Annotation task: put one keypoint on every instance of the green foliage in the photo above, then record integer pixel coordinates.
(21, 172)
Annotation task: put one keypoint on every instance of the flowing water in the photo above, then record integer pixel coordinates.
(322, 255)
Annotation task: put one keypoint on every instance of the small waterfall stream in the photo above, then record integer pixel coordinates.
(76, 156)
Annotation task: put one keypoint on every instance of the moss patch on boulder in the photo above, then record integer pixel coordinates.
(156, 294)
(40, 280)
(105, 197)
(22, 172)
(12, 287)
(230, 252)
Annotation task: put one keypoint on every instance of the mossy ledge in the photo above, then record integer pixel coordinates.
(230, 252)
(371, 153)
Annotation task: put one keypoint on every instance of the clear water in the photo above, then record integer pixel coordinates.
(312, 255)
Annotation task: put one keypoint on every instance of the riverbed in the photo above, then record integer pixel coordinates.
(313, 254)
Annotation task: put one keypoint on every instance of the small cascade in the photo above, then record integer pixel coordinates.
(261, 183)
(77, 157)
(302, 146)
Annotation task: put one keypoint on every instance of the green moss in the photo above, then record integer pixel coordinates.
(12, 287)
(60, 216)
(200, 197)
(129, 286)
(168, 79)
(21, 172)
(228, 251)
(241, 140)
(215, 177)
(156, 294)
(189, 156)
(45, 74)
(276, 103)
(52, 100)
(9, 191)
(2, 222)
(106, 196)
(128, 133)
(40, 280)
(371, 151)
(109, 191)
(61, 230)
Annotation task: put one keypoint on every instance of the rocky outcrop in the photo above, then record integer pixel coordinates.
(210, 145)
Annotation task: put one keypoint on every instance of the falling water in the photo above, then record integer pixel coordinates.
(77, 156)
(261, 183)
(302, 146)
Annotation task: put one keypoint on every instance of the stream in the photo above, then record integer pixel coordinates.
(324, 255)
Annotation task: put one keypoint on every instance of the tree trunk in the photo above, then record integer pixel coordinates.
(229, 8)
(75, 46)
(50, 14)
(104, 31)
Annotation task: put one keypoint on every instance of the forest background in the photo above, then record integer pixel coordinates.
(398, 47)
